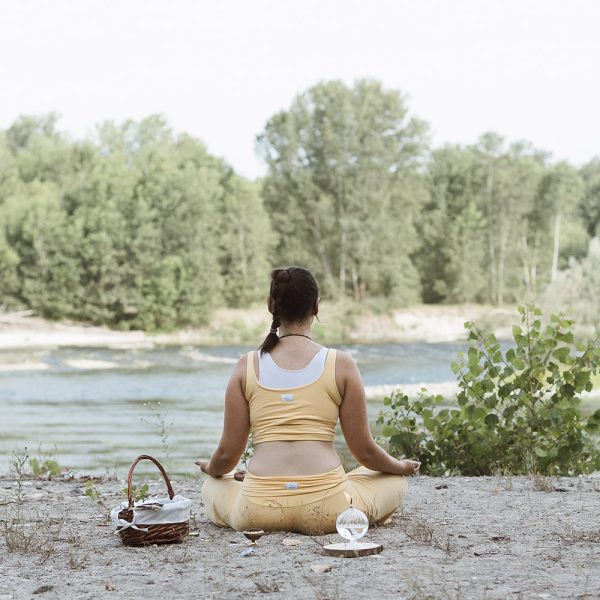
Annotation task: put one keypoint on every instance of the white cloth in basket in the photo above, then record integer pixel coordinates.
(176, 510)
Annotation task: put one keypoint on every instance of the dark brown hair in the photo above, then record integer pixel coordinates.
(293, 294)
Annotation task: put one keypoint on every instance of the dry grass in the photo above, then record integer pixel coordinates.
(266, 587)
(420, 531)
(77, 561)
(27, 533)
(570, 535)
(542, 483)
(505, 479)
(27, 536)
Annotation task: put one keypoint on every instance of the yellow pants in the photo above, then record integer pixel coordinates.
(305, 504)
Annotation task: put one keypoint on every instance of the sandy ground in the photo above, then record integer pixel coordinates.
(454, 538)
(427, 323)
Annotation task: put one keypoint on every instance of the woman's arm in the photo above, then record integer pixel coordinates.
(355, 424)
(236, 426)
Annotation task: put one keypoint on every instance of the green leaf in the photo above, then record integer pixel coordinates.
(518, 363)
(491, 419)
(561, 354)
(389, 431)
(473, 355)
(565, 337)
(582, 378)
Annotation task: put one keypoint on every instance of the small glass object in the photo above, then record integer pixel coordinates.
(253, 535)
(352, 524)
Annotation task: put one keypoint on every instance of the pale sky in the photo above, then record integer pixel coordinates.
(218, 69)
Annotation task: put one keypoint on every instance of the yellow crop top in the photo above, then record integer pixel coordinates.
(306, 412)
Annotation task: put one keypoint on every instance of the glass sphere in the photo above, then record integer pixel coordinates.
(352, 524)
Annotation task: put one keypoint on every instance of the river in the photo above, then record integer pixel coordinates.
(94, 410)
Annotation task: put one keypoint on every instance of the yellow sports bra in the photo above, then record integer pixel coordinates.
(306, 412)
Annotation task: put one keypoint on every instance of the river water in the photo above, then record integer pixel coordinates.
(94, 410)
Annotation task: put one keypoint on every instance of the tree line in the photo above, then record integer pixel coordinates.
(140, 227)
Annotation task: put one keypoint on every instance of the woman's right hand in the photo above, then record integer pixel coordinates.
(408, 467)
(203, 464)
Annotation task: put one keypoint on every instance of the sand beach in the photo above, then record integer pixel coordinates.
(455, 538)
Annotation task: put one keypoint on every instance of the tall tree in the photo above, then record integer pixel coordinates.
(246, 242)
(452, 227)
(590, 201)
(337, 160)
(38, 232)
(509, 179)
(560, 193)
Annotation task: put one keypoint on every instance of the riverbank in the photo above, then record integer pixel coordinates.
(338, 324)
(455, 538)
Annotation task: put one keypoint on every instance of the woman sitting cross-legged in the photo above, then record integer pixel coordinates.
(290, 395)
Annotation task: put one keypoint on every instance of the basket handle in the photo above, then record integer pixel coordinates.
(130, 477)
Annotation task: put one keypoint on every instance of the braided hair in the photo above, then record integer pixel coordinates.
(293, 295)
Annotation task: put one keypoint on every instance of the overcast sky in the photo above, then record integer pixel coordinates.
(528, 69)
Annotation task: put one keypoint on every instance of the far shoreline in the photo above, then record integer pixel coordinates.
(338, 325)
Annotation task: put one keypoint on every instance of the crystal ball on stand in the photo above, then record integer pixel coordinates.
(352, 524)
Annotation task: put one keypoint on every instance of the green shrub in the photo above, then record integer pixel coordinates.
(44, 467)
(139, 494)
(517, 411)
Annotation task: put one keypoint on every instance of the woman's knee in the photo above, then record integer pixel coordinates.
(218, 497)
(380, 494)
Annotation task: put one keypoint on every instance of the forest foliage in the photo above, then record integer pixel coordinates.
(141, 227)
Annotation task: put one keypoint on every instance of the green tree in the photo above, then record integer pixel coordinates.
(338, 159)
(560, 191)
(138, 228)
(577, 290)
(452, 228)
(39, 234)
(180, 183)
(40, 151)
(509, 180)
(94, 194)
(246, 243)
(590, 201)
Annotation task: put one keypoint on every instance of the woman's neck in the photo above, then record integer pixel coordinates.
(294, 330)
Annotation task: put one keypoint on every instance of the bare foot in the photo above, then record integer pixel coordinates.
(409, 467)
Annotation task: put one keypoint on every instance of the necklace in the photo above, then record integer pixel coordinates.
(298, 334)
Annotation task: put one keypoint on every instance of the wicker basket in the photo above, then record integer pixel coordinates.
(146, 534)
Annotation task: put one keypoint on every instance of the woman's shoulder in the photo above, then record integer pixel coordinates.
(241, 366)
(344, 365)
(343, 358)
